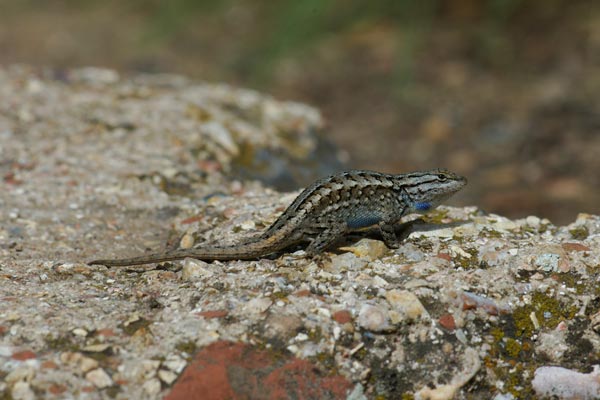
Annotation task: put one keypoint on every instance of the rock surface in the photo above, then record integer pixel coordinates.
(93, 165)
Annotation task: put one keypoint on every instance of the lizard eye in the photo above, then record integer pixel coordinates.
(442, 177)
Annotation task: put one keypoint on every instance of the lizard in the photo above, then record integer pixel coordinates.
(328, 209)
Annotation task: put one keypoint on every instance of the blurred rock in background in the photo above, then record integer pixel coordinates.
(504, 92)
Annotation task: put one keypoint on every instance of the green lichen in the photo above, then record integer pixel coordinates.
(188, 347)
(327, 361)
(112, 391)
(246, 157)
(388, 383)
(424, 244)
(490, 233)
(468, 262)
(548, 228)
(548, 310)
(361, 354)
(529, 229)
(513, 348)
(132, 327)
(279, 296)
(497, 333)
(579, 232)
(515, 374)
(198, 113)
(436, 216)
(5, 395)
(60, 343)
(516, 382)
(571, 280)
(99, 356)
(315, 335)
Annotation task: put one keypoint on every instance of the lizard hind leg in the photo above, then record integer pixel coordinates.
(324, 240)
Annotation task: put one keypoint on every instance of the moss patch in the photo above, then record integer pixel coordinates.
(579, 232)
(548, 310)
(188, 347)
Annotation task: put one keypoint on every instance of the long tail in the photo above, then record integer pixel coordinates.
(246, 251)
(199, 254)
(147, 259)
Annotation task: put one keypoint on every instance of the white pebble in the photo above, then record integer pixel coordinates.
(566, 384)
(373, 318)
(99, 378)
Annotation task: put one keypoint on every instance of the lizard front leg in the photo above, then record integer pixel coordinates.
(388, 235)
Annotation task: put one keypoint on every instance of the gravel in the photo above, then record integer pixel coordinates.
(97, 165)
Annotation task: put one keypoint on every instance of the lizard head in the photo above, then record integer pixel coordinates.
(426, 190)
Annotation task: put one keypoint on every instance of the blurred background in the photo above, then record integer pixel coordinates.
(506, 92)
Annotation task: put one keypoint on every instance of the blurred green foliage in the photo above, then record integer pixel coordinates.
(250, 37)
(288, 28)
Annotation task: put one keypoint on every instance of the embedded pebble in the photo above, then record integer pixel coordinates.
(533, 221)
(357, 393)
(344, 262)
(86, 364)
(282, 325)
(504, 224)
(6, 351)
(152, 387)
(458, 251)
(444, 233)
(187, 241)
(69, 357)
(175, 363)
(22, 390)
(301, 337)
(95, 75)
(373, 318)
(99, 378)
(410, 252)
(196, 269)
(96, 348)
(257, 305)
(167, 376)
(503, 396)
(406, 304)
(248, 225)
(547, 262)
(221, 135)
(595, 322)
(471, 365)
(369, 248)
(80, 332)
(552, 345)
(12, 316)
(566, 384)
(145, 369)
(470, 301)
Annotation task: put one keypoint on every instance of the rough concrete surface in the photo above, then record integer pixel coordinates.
(93, 164)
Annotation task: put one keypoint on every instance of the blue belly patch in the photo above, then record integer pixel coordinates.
(363, 221)
(422, 206)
